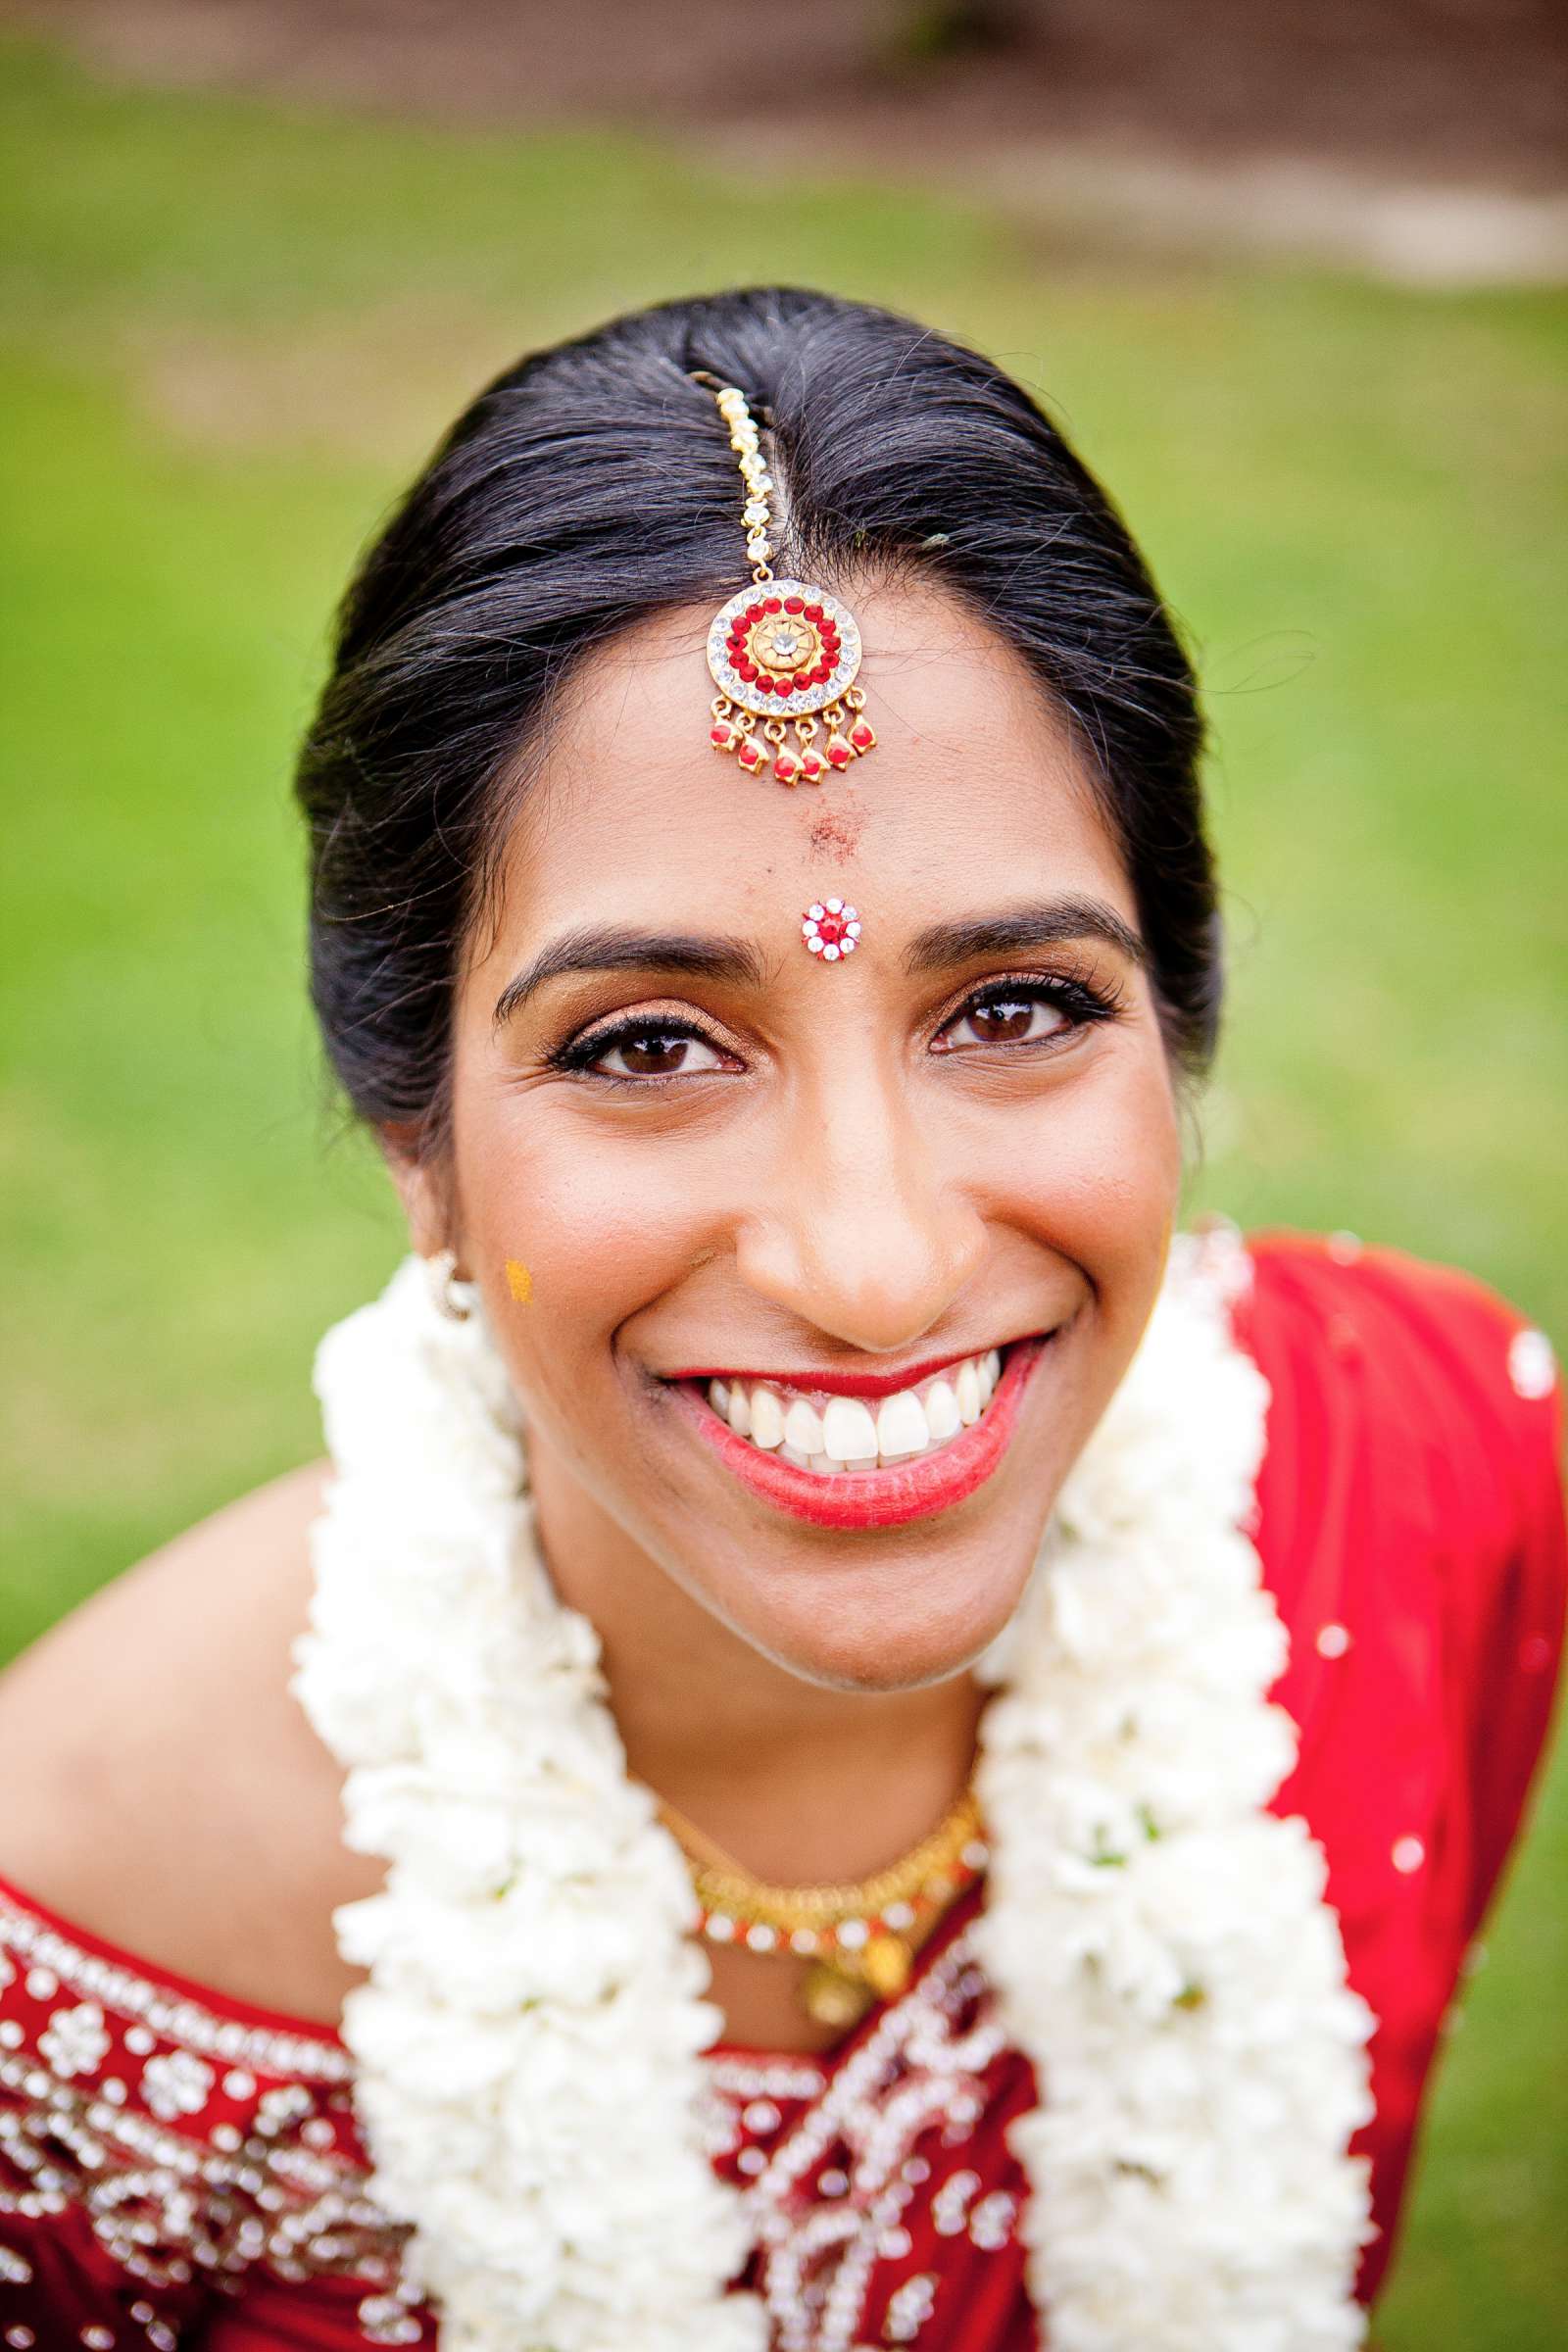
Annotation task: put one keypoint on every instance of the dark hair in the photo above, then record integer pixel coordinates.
(594, 483)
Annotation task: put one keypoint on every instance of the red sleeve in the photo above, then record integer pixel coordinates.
(1411, 1526)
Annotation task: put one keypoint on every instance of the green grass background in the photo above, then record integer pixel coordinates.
(229, 330)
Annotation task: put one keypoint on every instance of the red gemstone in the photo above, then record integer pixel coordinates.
(813, 611)
(771, 603)
(786, 768)
(722, 736)
(812, 768)
(822, 672)
(745, 670)
(803, 677)
(862, 736)
(795, 604)
(832, 929)
(829, 636)
(753, 612)
(838, 752)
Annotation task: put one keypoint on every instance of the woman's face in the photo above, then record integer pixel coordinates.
(842, 1192)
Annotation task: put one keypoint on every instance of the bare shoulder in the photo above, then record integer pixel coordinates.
(165, 1789)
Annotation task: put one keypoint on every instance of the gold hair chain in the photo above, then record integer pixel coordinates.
(781, 651)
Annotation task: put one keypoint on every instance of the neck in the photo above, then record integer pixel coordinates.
(803, 1782)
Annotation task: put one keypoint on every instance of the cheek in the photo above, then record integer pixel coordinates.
(1092, 1170)
(596, 1230)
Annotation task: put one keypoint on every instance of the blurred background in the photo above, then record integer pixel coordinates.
(1293, 278)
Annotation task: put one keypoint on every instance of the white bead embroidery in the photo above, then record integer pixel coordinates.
(74, 2041)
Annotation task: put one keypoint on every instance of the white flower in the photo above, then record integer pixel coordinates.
(74, 2041)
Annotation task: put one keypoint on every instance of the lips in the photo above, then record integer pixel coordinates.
(841, 1461)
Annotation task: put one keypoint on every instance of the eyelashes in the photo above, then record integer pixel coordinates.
(1023, 1013)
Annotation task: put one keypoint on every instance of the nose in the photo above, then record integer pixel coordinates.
(867, 1234)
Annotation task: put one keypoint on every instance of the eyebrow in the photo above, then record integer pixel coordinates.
(1020, 929)
(699, 955)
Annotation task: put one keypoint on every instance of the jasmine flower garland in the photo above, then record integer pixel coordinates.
(529, 2043)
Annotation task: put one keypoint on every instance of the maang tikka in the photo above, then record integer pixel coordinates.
(781, 651)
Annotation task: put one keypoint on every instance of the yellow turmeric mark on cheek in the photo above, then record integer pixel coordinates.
(520, 1281)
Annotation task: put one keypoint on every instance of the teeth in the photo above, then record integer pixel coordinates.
(802, 1428)
(839, 1434)
(900, 1425)
(767, 1418)
(942, 1412)
(849, 1432)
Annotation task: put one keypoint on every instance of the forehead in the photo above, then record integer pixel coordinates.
(976, 795)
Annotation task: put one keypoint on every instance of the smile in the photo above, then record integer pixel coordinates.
(872, 1459)
(829, 1434)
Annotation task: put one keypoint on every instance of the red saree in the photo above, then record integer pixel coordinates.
(180, 2168)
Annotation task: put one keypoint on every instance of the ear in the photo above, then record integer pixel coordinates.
(423, 1185)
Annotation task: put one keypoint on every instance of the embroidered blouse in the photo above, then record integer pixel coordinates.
(180, 2168)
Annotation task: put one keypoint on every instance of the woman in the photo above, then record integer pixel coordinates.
(1119, 1664)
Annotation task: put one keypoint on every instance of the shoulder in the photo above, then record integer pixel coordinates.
(1411, 1526)
(173, 1799)
(1432, 1371)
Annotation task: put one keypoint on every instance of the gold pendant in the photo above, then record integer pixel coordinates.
(831, 1998)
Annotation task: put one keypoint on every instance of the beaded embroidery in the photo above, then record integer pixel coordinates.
(231, 2171)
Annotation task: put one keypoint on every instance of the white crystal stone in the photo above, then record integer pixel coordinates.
(830, 955)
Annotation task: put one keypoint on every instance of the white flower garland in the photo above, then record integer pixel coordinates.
(529, 2043)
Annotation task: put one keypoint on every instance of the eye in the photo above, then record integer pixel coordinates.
(1021, 1013)
(647, 1050)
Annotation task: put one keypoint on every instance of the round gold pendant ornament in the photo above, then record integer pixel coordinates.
(783, 654)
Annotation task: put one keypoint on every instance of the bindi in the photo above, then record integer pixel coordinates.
(831, 929)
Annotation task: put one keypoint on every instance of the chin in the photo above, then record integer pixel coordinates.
(901, 1630)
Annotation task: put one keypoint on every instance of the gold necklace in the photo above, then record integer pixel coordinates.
(862, 1939)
